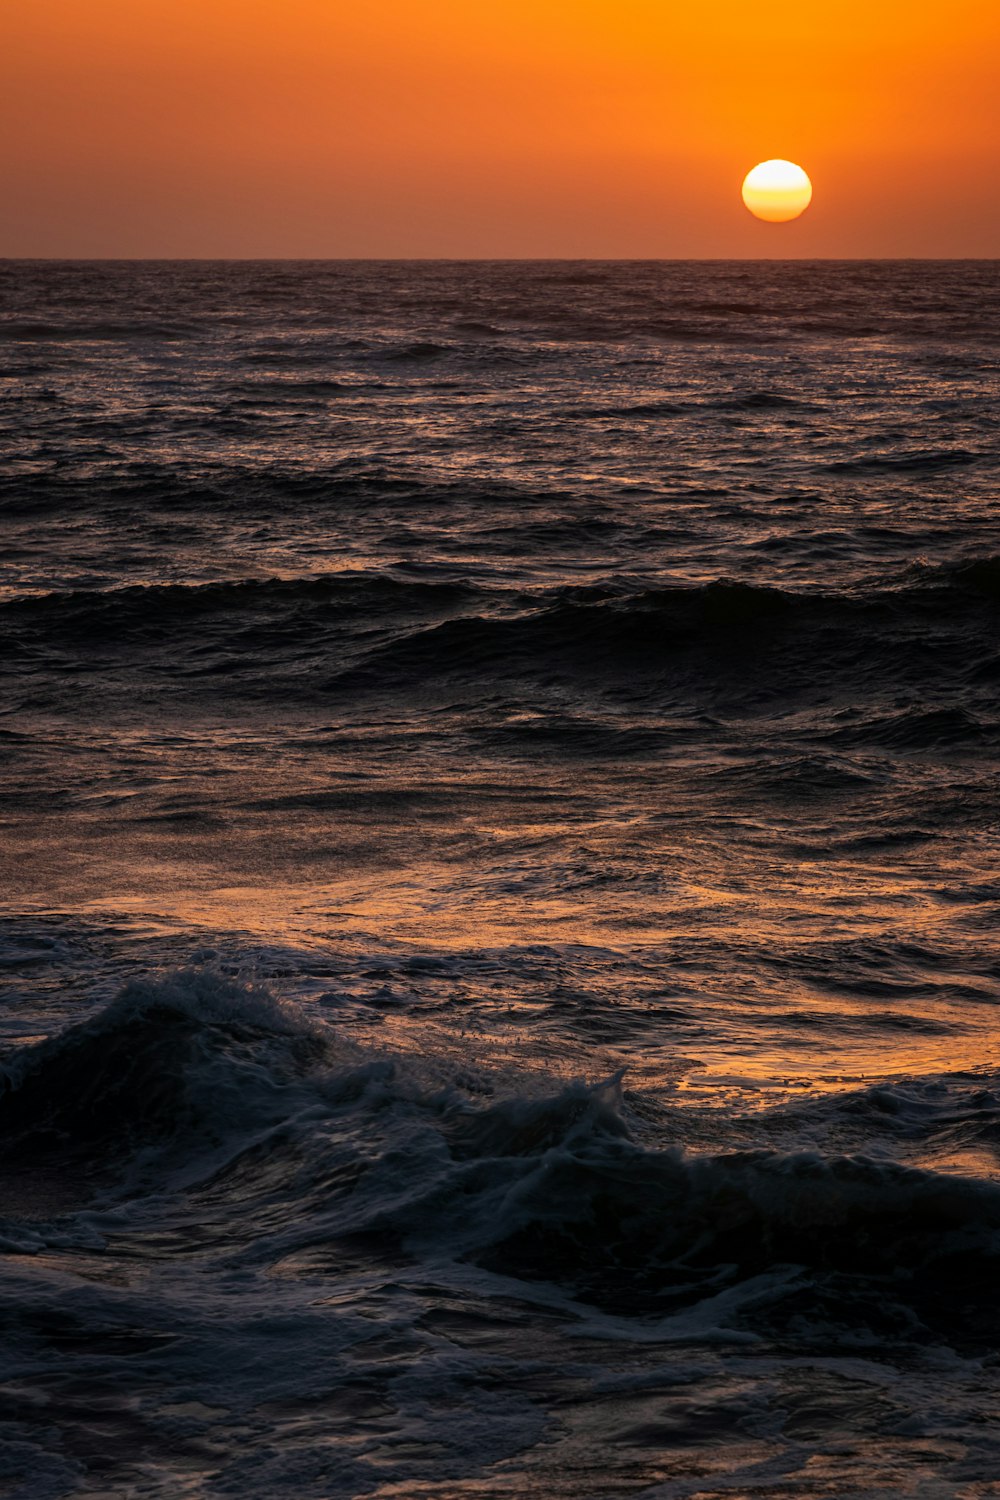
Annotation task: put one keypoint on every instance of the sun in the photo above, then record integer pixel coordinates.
(777, 191)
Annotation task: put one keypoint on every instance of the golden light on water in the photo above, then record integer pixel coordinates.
(777, 191)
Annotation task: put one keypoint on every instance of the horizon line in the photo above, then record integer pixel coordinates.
(497, 259)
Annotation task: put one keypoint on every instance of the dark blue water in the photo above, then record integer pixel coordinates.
(500, 876)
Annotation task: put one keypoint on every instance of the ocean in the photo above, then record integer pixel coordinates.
(501, 880)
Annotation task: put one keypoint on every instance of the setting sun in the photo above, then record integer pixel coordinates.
(777, 191)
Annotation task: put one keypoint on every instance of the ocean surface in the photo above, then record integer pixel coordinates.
(501, 880)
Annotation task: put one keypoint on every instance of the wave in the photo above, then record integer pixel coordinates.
(920, 729)
(754, 400)
(929, 634)
(100, 331)
(477, 328)
(932, 1115)
(975, 575)
(193, 1053)
(284, 358)
(746, 1209)
(731, 623)
(923, 461)
(711, 329)
(416, 352)
(764, 400)
(627, 409)
(298, 1149)
(290, 389)
(797, 779)
(216, 491)
(155, 610)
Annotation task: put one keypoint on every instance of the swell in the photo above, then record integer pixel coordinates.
(932, 633)
(925, 595)
(946, 619)
(155, 610)
(916, 462)
(233, 489)
(98, 331)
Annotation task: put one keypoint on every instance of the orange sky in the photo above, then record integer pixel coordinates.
(495, 127)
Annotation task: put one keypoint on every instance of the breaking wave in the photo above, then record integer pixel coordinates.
(302, 1146)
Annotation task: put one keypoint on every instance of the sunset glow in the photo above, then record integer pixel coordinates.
(439, 128)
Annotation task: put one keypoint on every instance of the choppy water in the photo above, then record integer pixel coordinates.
(500, 862)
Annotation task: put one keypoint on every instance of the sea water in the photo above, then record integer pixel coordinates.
(500, 876)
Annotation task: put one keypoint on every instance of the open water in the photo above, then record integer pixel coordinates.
(500, 871)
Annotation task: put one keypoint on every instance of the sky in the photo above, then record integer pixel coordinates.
(495, 128)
